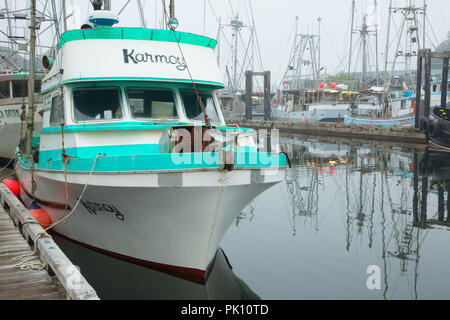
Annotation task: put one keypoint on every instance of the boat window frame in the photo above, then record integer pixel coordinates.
(143, 87)
(202, 91)
(51, 100)
(120, 97)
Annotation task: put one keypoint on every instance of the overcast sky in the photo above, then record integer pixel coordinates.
(275, 21)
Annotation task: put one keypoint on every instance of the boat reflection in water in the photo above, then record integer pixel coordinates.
(342, 208)
(118, 279)
(393, 201)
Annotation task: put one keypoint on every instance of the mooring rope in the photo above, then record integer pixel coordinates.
(30, 264)
(9, 162)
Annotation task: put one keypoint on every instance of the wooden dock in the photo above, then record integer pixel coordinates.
(376, 133)
(19, 233)
(16, 284)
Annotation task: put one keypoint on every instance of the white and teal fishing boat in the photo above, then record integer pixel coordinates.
(398, 110)
(122, 107)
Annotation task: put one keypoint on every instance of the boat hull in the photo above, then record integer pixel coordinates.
(169, 221)
(438, 133)
(400, 122)
(11, 127)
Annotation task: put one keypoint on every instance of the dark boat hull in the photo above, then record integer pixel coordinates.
(438, 132)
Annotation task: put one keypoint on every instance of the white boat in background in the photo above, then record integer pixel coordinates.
(400, 109)
(119, 123)
(13, 101)
(14, 77)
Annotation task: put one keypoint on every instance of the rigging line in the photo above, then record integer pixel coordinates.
(256, 35)
(246, 57)
(290, 61)
(123, 8)
(231, 7)
(332, 44)
(284, 54)
(221, 29)
(432, 30)
(199, 99)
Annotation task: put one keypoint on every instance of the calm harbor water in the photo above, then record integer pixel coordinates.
(343, 210)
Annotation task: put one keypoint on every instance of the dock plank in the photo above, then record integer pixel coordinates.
(18, 284)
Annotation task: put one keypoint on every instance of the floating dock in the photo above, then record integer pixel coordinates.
(46, 273)
(378, 133)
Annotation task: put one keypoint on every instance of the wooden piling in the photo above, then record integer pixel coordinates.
(444, 84)
(418, 90)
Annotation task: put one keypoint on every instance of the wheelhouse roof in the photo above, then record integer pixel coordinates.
(137, 34)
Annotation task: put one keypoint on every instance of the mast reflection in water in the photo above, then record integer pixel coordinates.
(342, 209)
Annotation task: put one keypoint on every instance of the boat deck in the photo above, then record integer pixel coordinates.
(16, 284)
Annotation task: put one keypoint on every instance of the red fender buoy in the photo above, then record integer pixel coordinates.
(13, 185)
(42, 217)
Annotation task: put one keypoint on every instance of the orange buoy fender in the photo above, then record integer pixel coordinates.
(13, 185)
(41, 216)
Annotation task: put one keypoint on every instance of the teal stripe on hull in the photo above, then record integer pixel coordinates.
(137, 34)
(388, 123)
(162, 162)
(92, 152)
(217, 85)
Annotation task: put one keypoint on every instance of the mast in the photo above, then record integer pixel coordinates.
(364, 34)
(106, 4)
(141, 14)
(31, 81)
(351, 40)
(424, 22)
(386, 53)
(236, 24)
(10, 34)
(172, 9)
(318, 54)
(64, 13)
(376, 42)
(55, 17)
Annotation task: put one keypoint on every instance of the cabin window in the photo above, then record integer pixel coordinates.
(435, 88)
(20, 88)
(57, 111)
(403, 104)
(99, 104)
(152, 104)
(4, 90)
(193, 108)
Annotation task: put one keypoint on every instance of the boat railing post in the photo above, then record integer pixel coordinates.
(419, 88)
(444, 84)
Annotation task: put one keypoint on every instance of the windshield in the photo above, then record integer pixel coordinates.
(96, 104)
(152, 104)
(194, 109)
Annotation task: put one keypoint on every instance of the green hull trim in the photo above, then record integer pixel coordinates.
(217, 85)
(137, 34)
(161, 162)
